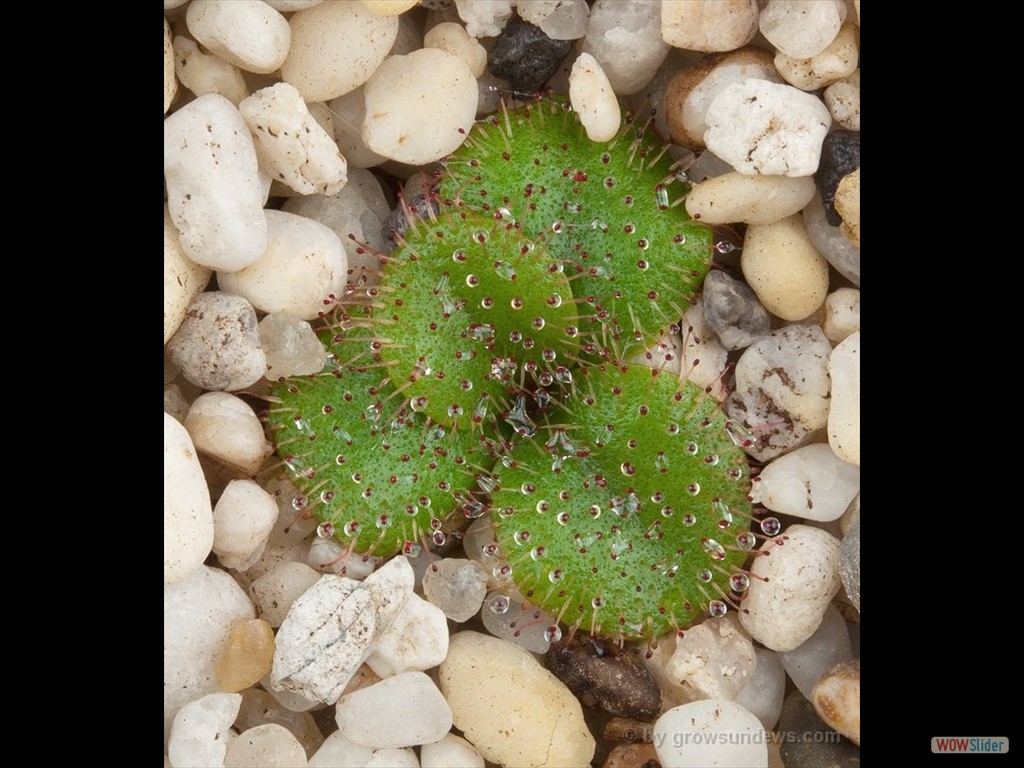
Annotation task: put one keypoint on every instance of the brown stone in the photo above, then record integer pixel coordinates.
(836, 698)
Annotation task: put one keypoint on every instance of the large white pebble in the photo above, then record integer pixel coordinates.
(349, 113)
(242, 521)
(710, 732)
(225, 427)
(801, 29)
(844, 413)
(201, 730)
(762, 127)
(335, 48)
(626, 40)
(188, 514)
(393, 757)
(513, 710)
(810, 482)
(407, 88)
(276, 590)
(416, 641)
(183, 279)
(593, 99)
(751, 199)
(784, 269)
(303, 266)
(247, 33)
(452, 37)
(401, 711)
(290, 144)
(204, 73)
(214, 192)
(837, 61)
(708, 25)
(795, 583)
(450, 752)
(265, 746)
(712, 660)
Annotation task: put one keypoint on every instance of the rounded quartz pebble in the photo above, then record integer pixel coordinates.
(713, 660)
(276, 590)
(708, 25)
(732, 311)
(625, 38)
(785, 270)
(349, 111)
(291, 346)
(831, 242)
(525, 56)
(510, 708)
(259, 707)
(791, 588)
(226, 428)
(483, 19)
(765, 689)
(836, 698)
(247, 33)
(450, 752)
(188, 514)
(843, 100)
(837, 61)
(710, 732)
(337, 750)
(829, 645)
(198, 613)
(214, 192)
(702, 360)
(201, 730)
(247, 656)
(265, 746)
(759, 127)
(416, 641)
(558, 19)
(849, 563)
(403, 90)
(183, 279)
(847, 203)
(844, 412)
(809, 482)
(690, 91)
(842, 314)
(335, 48)
(593, 99)
(735, 197)
(400, 711)
(242, 520)
(510, 617)
(204, 73)
(303, 266)
(456, 586)
(170, 81)
(452, 37)
(801, 29)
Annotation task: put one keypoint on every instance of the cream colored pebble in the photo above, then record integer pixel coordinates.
(834, 63)
(183, 279)
(593, 99)
(735, 197)
(452, 37)
(782, 266)
(170, 81)
(247, 33)
(226, 428)
(708, 25)
(204, 73)
(847, 203)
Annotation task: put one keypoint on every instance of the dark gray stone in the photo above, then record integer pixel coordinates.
(840, 155)
(849, 563)
(806, 742)
(525, 56)
(733, 312)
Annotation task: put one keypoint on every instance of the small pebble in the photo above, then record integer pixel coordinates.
(335, 48)
(510, 708)
(259, 707)
(732, 311)
(276, 590)
(183, 279)
(702, 360)
(525, 56)
(759, 127)
(331, 556)
(338, 750)
(708, 25)
(558, 19)
(831, 242)
(247, 656)
(713, 660)
(811, 743)
(843, 101)
(710, 732)
(785, 270)
(800, 29)
(837, 61)
(389, 7)
(842, 315)
(247, 33)
(840, 155)
(404, 89)
(175, 403)
(225, 427)
(401, 711)
(849, 563)
(625, 38)
(201, 730)
(452, 37)
(170, 81)
(829, 645)
(204, 73)
(765, 689)
(484, 19)
(801, 576)
(836, 698)
(734, 197)
(291, 346)
(844, 413)
(847, 205)
(456, 586)
(349, 111)
(593, 99)
(217, 346)
(265, 746)
(416, 641)
(809, 482)
(450, 752)
(188, 514)
(242, 520)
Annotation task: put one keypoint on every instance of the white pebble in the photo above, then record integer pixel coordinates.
(290, 144)
(393, 757)
(183, 279)
(795, 584)
(456, 586)
(401, 711)
(389, 7)
(339, 752)
(331, 556)
(784, 269)
(510, 708)
(712, 660)
(702, 359)
(247, 33)
(214, 192)
(170, 81)
(452, 37)
(303, 266)
(197, 621)
(834, 63)
(708, 25)
(265, 746)
(276, 590)
(593, 99)
(204, 73)
(710, 732)
(765, 690)
(752, 199)
(188, 514)
(350, 111)
(450, 752)
(625, 38)
(225, 427)
(801, 29)
(810, 482)
(242, 521)
(484, 18)
(844, 414)
(201, 730)
(558, 19)
(291, 346)
(761, 127)
(406, 88)
(842, 314)
(416, 641)
(829, 645)
(843, 101)
(335, 48)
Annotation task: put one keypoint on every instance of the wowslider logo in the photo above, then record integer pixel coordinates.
(970, 744)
